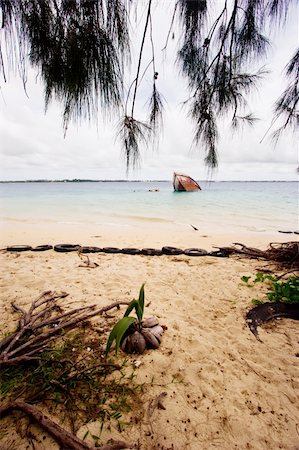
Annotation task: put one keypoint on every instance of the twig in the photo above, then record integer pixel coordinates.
(17, 348)
(26, 319)
(156, 403)
(140, 56)
(62, 436)
(170, 28)
(86, 369)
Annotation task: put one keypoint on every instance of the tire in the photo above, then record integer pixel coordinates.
(42, 248)
(19, 248)
(219, 254)
(195, 252)
(111, 250)
(151, 252)
(172, 251)
(130, 251)
(88, 249)
(66, 248)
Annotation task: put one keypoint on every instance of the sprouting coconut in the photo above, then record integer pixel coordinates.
(135, 334)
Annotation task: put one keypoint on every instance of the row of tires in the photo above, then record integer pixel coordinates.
(65, 248)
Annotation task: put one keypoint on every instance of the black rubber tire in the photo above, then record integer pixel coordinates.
(41, 248)
(111, 250)
(130, 251)
(19, 248)
(88, 249)
(172, 251)
(219, 254)
(97, 250)
(66, 248)
(195, 252)
(151, 252)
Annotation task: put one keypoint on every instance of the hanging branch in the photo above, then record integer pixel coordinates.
(288, 103)
(81, 49)
(140, 55)
(215, 64)
(155, 104)
(170, 27)
(132, 132)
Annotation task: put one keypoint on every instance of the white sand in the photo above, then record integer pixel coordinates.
(224, 389)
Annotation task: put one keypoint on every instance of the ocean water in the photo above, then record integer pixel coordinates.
(222, 206)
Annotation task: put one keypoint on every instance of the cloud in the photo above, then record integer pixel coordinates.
(32, 144)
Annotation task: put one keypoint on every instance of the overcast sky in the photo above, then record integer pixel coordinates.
(32, 143)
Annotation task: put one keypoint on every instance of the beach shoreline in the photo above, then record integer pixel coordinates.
(178, 235)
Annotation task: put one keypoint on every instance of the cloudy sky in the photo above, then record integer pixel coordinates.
(33, 146)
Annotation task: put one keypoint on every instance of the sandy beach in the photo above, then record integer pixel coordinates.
(136, 125)
(224, 389)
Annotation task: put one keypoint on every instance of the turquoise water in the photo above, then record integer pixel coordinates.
(239, 206)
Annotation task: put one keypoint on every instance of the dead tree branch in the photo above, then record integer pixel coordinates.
(284, 254)
(62, 436)
(42, 323)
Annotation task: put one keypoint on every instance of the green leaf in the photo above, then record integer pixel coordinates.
(141, 300)
(138, 305)
(133, 304)
(256, 301)
(245, 279)
(85, 435)
(139, 312)
(259, 277)
(118, 332)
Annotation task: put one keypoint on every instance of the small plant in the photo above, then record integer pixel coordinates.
(134, 334)
(278, 290)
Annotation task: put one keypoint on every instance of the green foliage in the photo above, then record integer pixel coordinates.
(284, 291)
(118, 332)
(141, 301)
(122, 326)
(287, 104)
(257, 302)
(245, 279)
(278, 290)
(76, 381)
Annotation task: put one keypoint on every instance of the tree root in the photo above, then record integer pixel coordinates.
(284, 254)
(66, 439)
(42, 323)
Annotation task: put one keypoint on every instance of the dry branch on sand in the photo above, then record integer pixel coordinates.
(41, 324)
(66, 439)
(284, 254)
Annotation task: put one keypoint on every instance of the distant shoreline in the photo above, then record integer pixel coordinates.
(143, 181)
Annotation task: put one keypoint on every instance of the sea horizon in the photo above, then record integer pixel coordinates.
(86, 180)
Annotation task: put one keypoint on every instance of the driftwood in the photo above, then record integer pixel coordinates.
(66, 439)
(285, 254)
(87, 263)
(41, 324)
